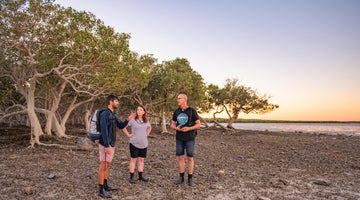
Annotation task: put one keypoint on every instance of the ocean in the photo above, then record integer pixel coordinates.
(327, 128)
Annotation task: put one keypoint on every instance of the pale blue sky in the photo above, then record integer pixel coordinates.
(305, 54)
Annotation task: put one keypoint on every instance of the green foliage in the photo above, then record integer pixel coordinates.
(236, 98)
(41, 40)
(50, 44)
(45, 36)
(170, 79)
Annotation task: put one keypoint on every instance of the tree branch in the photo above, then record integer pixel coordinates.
(221, 126)
(12, 114)
(227, 111)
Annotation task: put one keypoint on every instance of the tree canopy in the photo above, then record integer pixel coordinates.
(62, 49)
(235, 98)
(57, 60)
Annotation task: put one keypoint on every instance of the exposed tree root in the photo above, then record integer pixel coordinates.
(167, 132)
(60, 146)
(216, 123)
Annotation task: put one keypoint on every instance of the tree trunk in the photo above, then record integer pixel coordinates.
(217, 112)
(87, 119)
(48, 125)
(36, 130)
(230, 124)
(51, 117)
(232, 119)
(204, 121)
(52, 124)
(57, 128)
(72, 107)
(67, 114)
(163, 122)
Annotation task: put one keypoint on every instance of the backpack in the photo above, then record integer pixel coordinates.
(94, 124)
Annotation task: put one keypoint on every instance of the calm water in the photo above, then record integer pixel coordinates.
(328, 128)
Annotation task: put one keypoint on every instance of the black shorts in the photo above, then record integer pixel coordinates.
(136, 152)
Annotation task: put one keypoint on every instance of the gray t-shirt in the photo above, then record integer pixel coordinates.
(139, 129)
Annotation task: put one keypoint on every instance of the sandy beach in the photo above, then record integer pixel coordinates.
(238, 165)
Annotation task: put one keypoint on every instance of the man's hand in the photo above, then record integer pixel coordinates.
(131, 135)
(178, 128)
(131, 116)
(107, 150)
(185, 129)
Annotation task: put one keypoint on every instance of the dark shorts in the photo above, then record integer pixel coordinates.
(136, 152)
(188, 145)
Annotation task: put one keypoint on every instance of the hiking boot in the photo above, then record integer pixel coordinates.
(191, 182)
(103, 193)
(179, 181)
(108, 188)
(132, 181)
(143, 179)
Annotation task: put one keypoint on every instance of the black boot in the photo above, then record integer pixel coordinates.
(190, 180)
(180, 180)
(103, 193)
(108, 188)
(131, 179)
(141, 178)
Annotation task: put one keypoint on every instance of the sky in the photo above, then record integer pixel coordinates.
(305, 54)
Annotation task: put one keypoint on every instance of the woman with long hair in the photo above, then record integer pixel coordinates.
(140, 130)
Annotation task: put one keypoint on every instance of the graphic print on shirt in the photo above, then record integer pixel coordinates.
(182, 118)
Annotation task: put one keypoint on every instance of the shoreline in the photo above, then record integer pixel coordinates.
(224, 120)
(313, 128)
